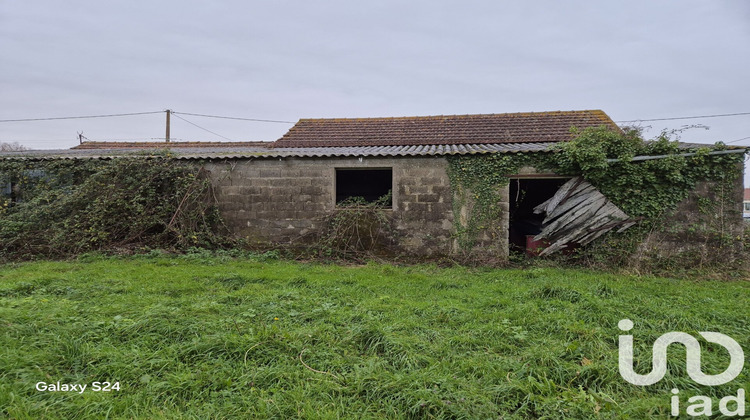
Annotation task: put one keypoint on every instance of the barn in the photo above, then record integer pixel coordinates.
(285, 192)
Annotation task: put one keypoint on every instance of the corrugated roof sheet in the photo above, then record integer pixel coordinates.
(264, 152)
(527, 127)
(250, 152)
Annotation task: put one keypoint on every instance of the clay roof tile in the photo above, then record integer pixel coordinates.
(525, 127)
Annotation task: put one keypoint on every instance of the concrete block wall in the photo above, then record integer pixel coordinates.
(287, 201)
(710, 211)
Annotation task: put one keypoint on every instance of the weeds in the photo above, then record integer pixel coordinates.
(199, 336)
(66, 208)
(357, 228)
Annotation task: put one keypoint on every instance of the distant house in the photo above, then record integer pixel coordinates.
(282, 192)
(746, 204)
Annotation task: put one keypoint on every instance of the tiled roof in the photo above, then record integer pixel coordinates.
(530, 127)
(747, 194)
(249, 152)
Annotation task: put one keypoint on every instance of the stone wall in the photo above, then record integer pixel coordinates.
(287, 201)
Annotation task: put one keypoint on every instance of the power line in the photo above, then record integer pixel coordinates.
(143, 113)
(94, 139)
(234, 118)
(143, 139)
(204, 129)
(81, 117)
(735, 141)
(292, 122)
(36, 140)
(687, 118)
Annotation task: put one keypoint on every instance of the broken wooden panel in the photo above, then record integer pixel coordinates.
(577, 214)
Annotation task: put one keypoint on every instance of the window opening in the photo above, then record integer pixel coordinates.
(368, 185)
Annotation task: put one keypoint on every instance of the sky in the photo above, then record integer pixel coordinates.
(286, 60)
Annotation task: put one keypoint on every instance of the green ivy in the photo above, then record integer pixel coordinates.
(479, 179)
(66, 207)
(642, 189)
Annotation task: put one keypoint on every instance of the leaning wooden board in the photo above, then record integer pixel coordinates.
(577, 214)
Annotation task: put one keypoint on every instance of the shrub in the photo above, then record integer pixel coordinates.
(64, 208)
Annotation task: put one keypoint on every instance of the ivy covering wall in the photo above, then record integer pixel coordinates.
(646, 189)
(64, 207)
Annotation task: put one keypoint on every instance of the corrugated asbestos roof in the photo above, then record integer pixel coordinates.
(250, 152)
(265, 152)
(525, 127)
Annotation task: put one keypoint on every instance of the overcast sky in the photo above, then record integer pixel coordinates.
(285, 60)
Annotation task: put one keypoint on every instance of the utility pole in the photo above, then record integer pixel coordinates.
(169, 112)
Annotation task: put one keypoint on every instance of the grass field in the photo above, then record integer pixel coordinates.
(203, 337)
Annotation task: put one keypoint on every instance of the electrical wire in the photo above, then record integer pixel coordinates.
(37, 140)
(687, 118)
(735, 141)
(81, 117)
(175, 113)
(204, 129)
(292, 122)
(233, 118)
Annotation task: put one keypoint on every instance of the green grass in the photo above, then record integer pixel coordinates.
(210, 337)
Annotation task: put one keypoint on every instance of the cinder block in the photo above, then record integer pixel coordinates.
(278, 182)
(419, 189)
(321, 182)
(407, 181)
(311, 191)
(427, 198)
(432, 181)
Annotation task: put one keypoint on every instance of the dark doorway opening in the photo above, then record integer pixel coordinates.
(525, 194)
(370, 184)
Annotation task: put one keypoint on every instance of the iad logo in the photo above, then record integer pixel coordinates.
(703, 404)
(693, 351)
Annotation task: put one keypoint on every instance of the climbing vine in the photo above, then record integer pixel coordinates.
(643, 189)
(477, 181)
(65, 207)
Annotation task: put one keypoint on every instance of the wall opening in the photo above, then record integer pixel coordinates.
(6, 188)
(8, 191)
(524, 195)
(369, 184)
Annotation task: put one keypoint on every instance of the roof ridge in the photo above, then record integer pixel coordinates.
(438, 116)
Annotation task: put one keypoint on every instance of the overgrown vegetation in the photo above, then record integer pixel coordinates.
(476, 181)
(357, 227)
(64, 207)
(646, 190)
(201, 336)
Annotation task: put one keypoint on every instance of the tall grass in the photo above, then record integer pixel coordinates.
(211, 337)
